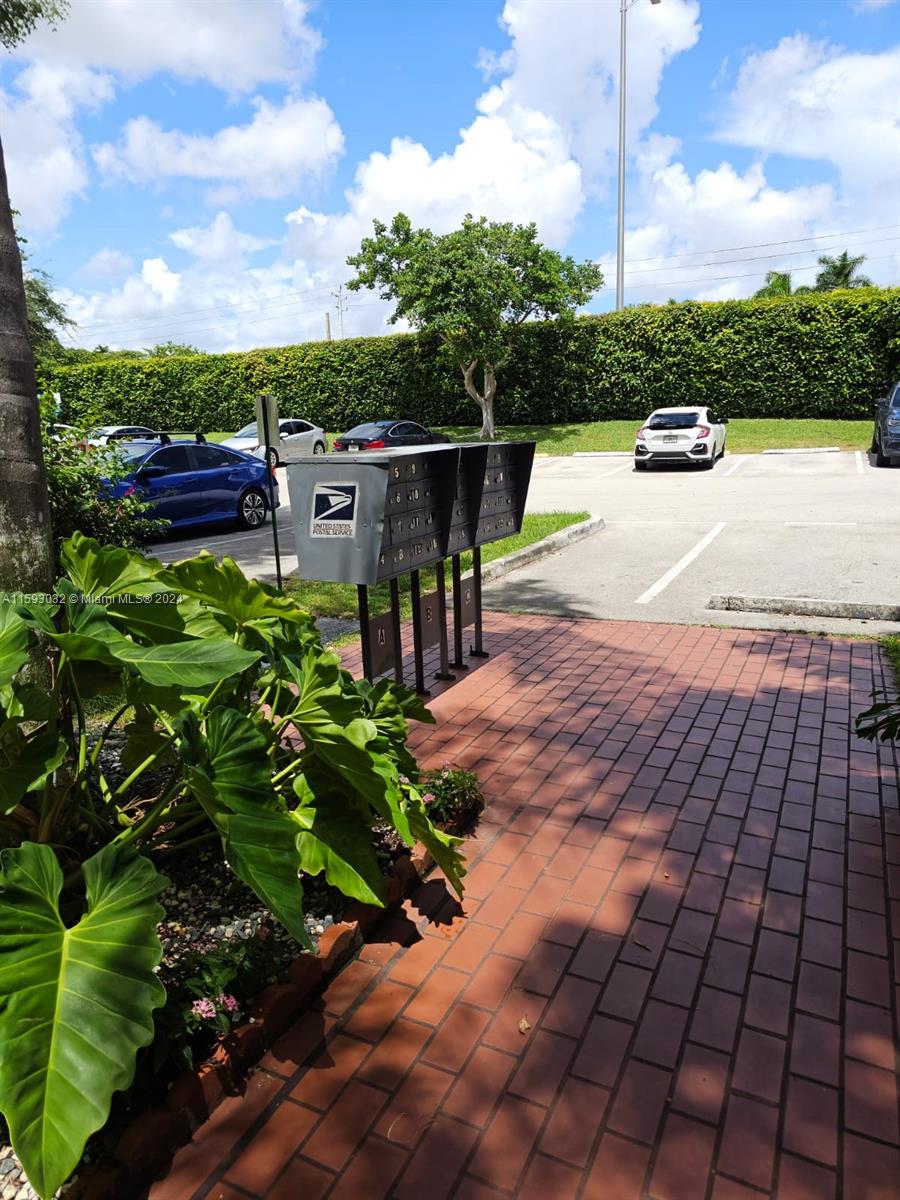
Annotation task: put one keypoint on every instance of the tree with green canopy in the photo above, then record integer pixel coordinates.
(779, 283)
(841, 272)
(471, 287)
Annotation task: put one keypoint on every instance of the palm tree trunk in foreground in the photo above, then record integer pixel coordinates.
(26, 547)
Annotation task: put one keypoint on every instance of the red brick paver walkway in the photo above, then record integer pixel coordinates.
(673, 978)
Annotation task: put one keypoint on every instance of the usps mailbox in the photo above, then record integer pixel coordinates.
(366, 518)
(373, 517)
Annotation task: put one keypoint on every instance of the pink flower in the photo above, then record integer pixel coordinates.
(203, 1008)
(229, 1003)
(428, 798)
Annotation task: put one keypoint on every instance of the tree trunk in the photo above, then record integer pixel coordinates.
(485, 400)
(26, 544)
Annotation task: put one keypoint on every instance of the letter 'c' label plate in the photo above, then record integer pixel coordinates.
(334, 510)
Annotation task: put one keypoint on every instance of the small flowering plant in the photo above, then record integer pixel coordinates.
(215, 1012)
(451, 795)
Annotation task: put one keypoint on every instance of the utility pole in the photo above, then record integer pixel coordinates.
(327, 326)
(340, 305)
(624, 6)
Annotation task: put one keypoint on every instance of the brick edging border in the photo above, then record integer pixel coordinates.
(151, 1137)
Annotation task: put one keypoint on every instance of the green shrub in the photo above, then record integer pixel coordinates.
(79, 489)
(811, 356)
(240, 731)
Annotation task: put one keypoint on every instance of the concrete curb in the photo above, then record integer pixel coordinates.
(808, 450)
(804, 606)
(548, 545)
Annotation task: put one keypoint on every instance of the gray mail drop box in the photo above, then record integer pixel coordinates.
(364, 518)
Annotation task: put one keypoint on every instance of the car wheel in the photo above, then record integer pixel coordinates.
(252, 509)
(708, 465)
(319, 448)
(273, 457)
(640, 466)
(881, 460)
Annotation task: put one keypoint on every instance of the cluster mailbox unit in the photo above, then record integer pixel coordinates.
(370, 518)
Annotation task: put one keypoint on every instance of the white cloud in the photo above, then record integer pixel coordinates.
(219, 242)
(235, 45)
(564, 62)
(107, 264)
(45, 155)
(864, 6)
(269, 156)
(816, 101)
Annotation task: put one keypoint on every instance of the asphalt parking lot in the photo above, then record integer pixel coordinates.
(825, 526)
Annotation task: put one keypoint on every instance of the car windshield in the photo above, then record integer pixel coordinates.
(101, 431)
(371, 429)
(679, 420)
(895, 399)
(249, 431)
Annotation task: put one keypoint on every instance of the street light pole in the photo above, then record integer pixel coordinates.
(624, 6)
(620, 229)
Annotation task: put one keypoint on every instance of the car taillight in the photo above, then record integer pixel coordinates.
(274, 473)
(640, 433)
(337, 446)
(376, 445)
(702, 431)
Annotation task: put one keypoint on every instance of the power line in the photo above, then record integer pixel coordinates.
(721, 262)
(678, 283)
(764, 245)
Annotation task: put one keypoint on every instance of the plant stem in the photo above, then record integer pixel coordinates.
(191, 842)
(139, 770)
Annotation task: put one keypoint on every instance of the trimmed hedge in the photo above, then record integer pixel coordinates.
(824, 355)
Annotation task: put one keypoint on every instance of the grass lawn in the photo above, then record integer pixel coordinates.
(339, 599)
(744, 436)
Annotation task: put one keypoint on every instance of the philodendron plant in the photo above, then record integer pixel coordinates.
(240, 730)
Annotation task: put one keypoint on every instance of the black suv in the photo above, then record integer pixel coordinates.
(886, 434)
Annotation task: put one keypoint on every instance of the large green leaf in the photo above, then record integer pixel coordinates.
(335, 838)
(442, 846)
(98, 571)
(262, 850)
(229, 772)
(191, 664)
(27, 769)
(13, 642)
(223, 586)
(76, 1002)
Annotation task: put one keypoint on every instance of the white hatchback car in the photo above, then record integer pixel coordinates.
(299, 435)
(694, 435)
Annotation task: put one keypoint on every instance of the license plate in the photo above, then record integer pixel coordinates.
(670, 438)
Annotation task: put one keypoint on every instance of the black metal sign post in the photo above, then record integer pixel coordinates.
(395, 624)
(362, 598)
(444, 672)
(456, 572)
(264, 407)
(478, 650)
(418, 656)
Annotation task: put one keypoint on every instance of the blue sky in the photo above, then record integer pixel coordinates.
(199, 170)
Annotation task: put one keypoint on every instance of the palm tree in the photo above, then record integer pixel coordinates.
(26, 545)
(778, 283)
(840, 272)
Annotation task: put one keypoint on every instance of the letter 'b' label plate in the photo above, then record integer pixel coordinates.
(334, 510)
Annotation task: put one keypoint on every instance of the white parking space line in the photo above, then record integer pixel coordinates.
(860, 469)
(673, 572)
(820, 524)
(731, 470)
(615, 471)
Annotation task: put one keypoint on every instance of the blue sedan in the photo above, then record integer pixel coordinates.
(192, 483)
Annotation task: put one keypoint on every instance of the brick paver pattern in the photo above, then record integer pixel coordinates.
(674, 975)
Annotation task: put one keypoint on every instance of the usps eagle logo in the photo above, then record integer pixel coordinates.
(334, 510)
